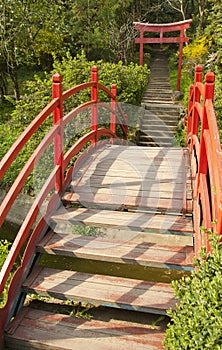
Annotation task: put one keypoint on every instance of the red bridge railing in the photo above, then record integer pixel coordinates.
(206, 159)
(57, 179)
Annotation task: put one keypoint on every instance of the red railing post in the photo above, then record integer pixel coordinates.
(188, 120)
(58, 140)
(196, 98)
(113, 105)
(180, 59)
(209, 94)
(203, 160)
(126, 127)
(94, 97)
(141, 48)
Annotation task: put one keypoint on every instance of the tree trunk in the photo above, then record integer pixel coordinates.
(14, 78)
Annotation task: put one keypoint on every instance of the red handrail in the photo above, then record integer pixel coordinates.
(206, 153)
(56, 179)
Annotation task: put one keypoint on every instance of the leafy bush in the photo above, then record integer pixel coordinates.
(218, 99)
(197, 319)
(194, 54)
(131, 82)
(4, 249)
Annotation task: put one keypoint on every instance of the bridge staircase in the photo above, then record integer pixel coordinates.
(114, 234)
(160, 120)
(117, 254)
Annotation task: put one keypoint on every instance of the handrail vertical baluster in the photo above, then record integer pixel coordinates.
(58, 140)
(209, 94)
(196, 98)
(94, 97)
(113, 105)
(188, 120)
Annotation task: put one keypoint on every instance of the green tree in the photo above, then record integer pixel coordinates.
(29, 32)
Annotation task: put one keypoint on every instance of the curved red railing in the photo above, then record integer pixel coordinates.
(56, 179)
(206, 159)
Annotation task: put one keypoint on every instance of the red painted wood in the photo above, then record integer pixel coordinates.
(25, 172)
(58, 139)
(25, 136)
(52, 330)
(113, 115)
(94, 97)
(118, 251)
(73, 90)
(165, 27)
(205, 152)
(117, 292)
(57, 175)
(162, 28)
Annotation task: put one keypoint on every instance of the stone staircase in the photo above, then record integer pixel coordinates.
(161, 116)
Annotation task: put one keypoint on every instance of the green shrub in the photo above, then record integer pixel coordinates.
(131, 82)
(194, 54)
(218, 99)
(4, 249)
(197, 319)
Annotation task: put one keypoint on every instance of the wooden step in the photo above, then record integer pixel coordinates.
(110, 291)
(38, 329)
(140, 221)
(118, 251)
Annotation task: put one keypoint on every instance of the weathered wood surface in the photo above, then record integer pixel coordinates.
(38, 329)
(142, 221)
(135, 177)
(117, 251)
(103, 290)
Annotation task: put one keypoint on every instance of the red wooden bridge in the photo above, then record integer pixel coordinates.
(116, 205)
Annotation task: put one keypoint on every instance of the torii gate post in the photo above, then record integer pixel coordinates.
(162, 28)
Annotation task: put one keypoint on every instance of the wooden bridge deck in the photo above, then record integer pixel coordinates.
(130, 198)
(122, 231)
(124, 177)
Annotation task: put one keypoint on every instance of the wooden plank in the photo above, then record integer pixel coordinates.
(134, 177)
(144, 176)
(131, 191)
(45, 330)
(94, 180)
(130, 252)
(115, 201)
(103, 290)
(132, 220)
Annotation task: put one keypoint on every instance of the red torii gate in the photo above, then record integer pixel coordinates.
(162, 28)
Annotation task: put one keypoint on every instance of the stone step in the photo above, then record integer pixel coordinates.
(156, 101)
(152, 96)
(157, 133)
(158, 139)
(160, 121)
(159, 90)
(146, 128)
(151, 143)
(159, 85)
(170, 108)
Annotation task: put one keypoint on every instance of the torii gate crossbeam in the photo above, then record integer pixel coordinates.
(162, 28)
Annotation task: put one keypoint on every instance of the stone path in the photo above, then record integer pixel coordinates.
(160, 120)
